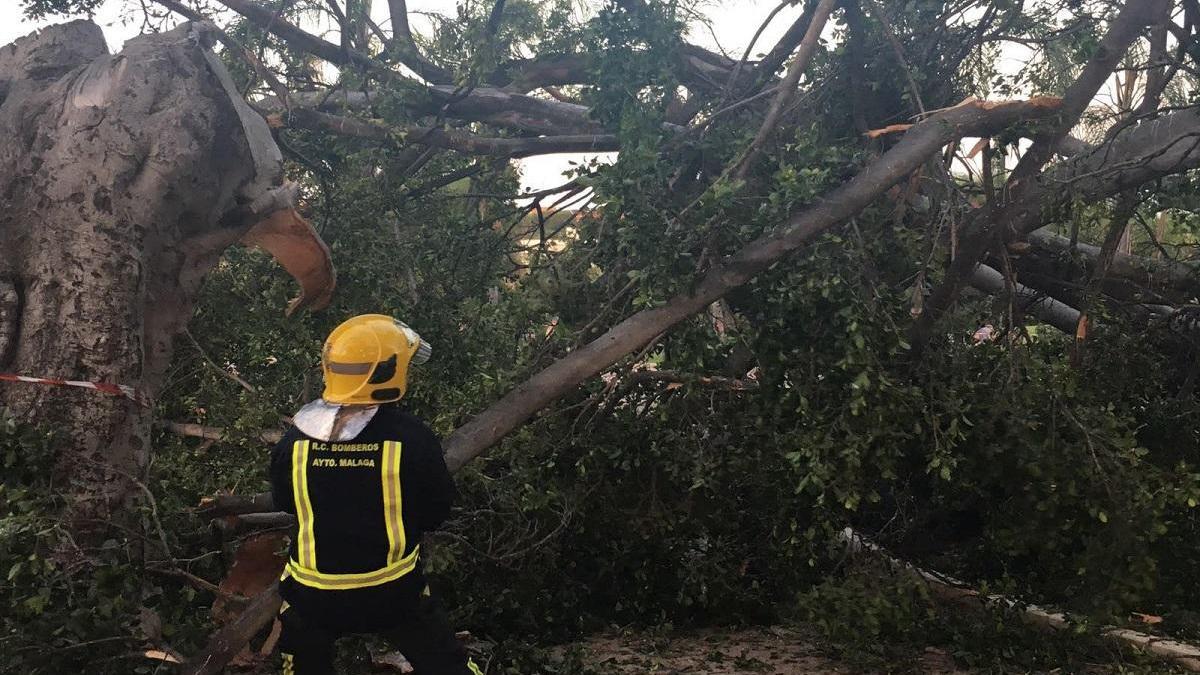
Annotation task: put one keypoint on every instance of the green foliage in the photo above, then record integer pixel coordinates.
(69, 605)
(643, 504)
(40, 9)
(876, 617)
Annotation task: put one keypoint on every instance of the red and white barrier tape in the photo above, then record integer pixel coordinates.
(104, 387)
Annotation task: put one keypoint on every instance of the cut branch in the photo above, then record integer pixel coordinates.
(214, 433)
(230, 640)
(268, 520)
(1022, 187)
(439, 137)
(234, 505)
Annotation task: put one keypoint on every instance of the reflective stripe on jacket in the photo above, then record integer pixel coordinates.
(361, 504)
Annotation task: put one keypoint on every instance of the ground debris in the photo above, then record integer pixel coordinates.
(754, 651)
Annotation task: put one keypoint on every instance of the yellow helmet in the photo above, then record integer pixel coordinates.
(366, 360)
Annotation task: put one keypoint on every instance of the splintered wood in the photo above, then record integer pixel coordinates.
(293, 242)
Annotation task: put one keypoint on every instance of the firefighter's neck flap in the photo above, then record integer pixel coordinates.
(330, 422)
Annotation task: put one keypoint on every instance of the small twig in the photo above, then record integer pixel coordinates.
(233, 376)
(198, 582)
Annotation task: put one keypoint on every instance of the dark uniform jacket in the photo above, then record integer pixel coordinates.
(363, 504)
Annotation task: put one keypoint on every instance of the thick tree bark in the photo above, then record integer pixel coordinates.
(120, 177)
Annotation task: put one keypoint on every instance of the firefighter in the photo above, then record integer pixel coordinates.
(365, 480)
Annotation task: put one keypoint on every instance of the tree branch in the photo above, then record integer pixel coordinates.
(491, 105)
(1058, 314)
(981, 234)
(765, 70)
(213, 433)
(450, 139)
(235, 505)
(525, 75)
(305, 41)
(1157, 75)
(971, 118)
(707, 381)
(405, 46)
(236, 47)
(228, 641)
(1148, 271)
(787, 90)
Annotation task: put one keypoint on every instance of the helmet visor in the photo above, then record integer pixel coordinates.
(424, 350)
(424, 353)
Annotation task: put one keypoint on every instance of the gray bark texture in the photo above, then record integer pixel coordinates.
(1058, 314)
(122, 179)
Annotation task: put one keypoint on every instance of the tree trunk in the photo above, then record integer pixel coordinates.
(122, 179)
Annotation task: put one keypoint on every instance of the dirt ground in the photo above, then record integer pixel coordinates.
(774, 651)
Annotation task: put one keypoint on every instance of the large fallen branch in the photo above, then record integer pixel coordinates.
(496, 107)
(1135, 268)
(1142, 153)
(949, 589)
(970, 118)
(1058, 314)
(439, 137)
(1022, 186)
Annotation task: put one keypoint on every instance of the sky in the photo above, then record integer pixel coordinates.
(735, 21)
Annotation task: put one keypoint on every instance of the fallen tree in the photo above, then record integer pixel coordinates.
(494, 114)
(950, 590)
